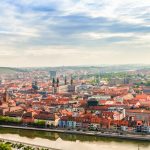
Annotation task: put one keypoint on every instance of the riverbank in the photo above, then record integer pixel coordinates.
(88, 133)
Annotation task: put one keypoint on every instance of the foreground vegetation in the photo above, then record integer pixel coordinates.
(17, 146)
(4, 146)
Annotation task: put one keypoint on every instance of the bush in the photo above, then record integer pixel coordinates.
(39, 123)
(6, 119)
(5, 146)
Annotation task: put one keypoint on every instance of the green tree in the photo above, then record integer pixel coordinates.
(5, 146)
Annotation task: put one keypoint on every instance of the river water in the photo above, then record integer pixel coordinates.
(71, 142)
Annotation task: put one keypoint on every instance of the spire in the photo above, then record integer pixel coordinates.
(65, 80)
(53, 82)
(71, 81)
(57, 82)
(6, 96)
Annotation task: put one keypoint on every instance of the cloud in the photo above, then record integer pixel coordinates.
(105, 35)
(65, 51)
(126, 11)
(32, 34)
(4, 53)
(84, 31)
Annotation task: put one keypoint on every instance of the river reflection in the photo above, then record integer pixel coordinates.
(71, 142)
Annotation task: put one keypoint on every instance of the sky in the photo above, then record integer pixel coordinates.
(74, 32)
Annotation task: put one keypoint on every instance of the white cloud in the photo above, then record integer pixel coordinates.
(66, 51)
(104, 35)
(7, 53)
(139, 40)
(30, 34)
(127, 11)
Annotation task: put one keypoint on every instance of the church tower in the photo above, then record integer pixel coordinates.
(53, 86)
(65, 80)
(6, 96)
(71, 81)
(57, 85)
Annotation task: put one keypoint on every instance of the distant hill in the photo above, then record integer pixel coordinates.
(8, 70)
(101, 69)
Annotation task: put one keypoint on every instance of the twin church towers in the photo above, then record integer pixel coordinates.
(56, 82)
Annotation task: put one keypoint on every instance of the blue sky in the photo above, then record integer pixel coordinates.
(74, 32)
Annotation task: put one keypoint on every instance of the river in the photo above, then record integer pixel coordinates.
(71, 142)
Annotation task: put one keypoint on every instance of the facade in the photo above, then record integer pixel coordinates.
(66, 88)
(51, 119)
(139, 114)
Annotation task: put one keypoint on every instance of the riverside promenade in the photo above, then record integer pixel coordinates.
(89, 133)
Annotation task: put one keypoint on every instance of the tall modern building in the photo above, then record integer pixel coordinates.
(53, 74)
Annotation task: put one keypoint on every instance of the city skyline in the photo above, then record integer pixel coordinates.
(74, 32)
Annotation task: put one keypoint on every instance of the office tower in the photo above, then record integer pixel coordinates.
(53, 74)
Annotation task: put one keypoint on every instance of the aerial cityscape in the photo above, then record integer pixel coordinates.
(78, 100)
(74, 75)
